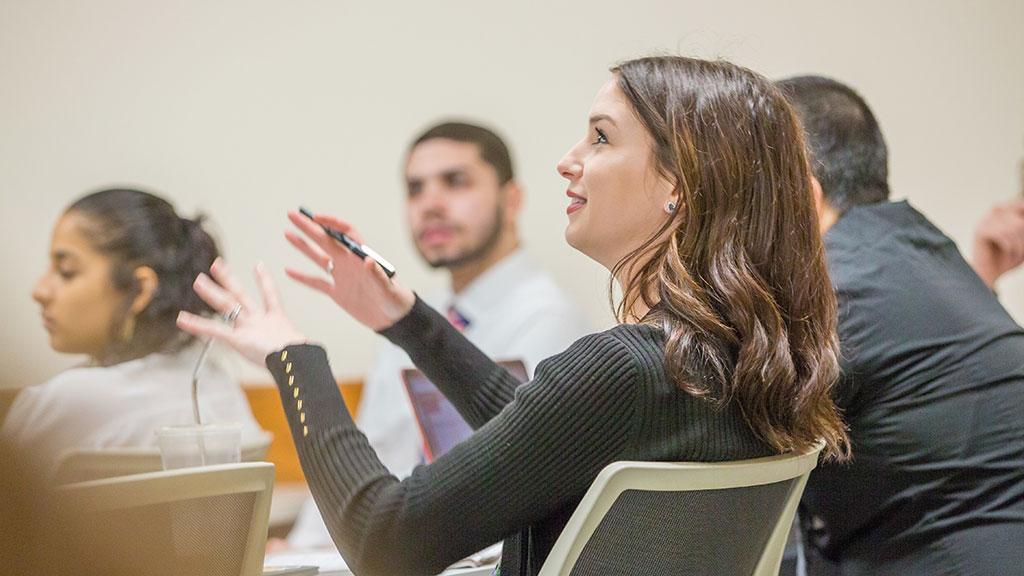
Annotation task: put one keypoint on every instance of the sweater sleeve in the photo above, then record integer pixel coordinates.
(477, 386)
(538, 455)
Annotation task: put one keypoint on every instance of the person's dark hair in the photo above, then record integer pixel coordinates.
(492, 148)
(134, 229)
(740, 287)
(847, 149)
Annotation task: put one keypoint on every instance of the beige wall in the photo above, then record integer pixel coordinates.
(243, 109)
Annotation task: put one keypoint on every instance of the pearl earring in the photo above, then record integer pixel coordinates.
(671, 206)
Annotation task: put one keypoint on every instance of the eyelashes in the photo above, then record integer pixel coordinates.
(602, 138)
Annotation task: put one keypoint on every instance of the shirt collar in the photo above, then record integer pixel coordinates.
(486, 291)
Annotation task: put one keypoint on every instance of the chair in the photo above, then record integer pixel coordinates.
(79, 465)
(208, 520)
(726, 518)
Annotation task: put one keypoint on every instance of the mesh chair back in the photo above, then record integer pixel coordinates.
(205, 536)
(210, 520)
(728, 518)
(697, 532)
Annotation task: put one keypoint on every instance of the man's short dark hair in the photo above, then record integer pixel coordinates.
(847, 150)
(492, 148)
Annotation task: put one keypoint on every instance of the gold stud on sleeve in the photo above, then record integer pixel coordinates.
(291, 380)
(305, 431)
(284, 355)
(295, 392)
(287, 367)
(298, 405)
(302, 417)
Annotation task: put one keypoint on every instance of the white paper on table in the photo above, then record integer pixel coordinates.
(330, 562)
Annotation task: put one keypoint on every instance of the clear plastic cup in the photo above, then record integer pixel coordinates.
(190, 445)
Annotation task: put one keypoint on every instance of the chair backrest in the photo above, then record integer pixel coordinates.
(80, 465)
(208, 520)
(726, 518)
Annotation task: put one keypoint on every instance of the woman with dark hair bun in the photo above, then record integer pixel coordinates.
(691, 186)
(121, 267)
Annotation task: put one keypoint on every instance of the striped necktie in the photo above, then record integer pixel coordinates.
(457, 319)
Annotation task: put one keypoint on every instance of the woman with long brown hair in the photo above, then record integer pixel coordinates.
(692, 188)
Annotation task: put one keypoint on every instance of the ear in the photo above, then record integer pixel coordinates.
(512, 201)
(671, 202)
(819, 196)
(827, 215)
(147, 281)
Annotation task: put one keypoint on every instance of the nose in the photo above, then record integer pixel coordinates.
(41, 291)
(570, 166)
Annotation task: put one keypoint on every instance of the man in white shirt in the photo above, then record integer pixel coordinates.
(463, 203)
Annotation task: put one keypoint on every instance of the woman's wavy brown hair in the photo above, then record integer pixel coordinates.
(740, 287)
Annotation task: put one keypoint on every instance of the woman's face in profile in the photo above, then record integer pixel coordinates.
(77, 298)
(617, 198)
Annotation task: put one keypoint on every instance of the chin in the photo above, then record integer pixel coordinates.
(577, 243)
(58, 346)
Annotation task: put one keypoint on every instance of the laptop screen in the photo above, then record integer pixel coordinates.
(440, 423)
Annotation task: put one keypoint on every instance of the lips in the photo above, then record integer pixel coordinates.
(576, 202)
(436, 234)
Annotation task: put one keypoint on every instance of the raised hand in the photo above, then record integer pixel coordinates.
(999, 241)
(258, 329)
(360, 287)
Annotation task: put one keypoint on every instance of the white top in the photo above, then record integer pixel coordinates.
(122, 405)
(515, 310)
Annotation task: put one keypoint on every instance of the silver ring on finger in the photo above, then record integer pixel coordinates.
(232, 314)
(330, 266)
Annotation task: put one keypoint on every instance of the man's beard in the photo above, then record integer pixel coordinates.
(472, 253)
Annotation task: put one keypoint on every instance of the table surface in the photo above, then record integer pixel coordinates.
(331, 563)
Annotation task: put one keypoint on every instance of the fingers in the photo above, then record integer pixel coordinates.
(271, 296)
(309, 228)
(199, 326)
(315, 282)
(315, 231)
(376, 271)
(213, 294)
(1006, 230)
(225, 278)
(324, 249)
(339, 225)
(313, 252)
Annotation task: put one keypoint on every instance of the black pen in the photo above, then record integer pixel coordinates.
(361, 250)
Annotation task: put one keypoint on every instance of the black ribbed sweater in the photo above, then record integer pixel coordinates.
(536, 449)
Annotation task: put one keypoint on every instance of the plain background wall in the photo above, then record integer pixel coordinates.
(244, 109)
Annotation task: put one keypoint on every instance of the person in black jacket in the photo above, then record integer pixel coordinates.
(932, 383)
(692, 187)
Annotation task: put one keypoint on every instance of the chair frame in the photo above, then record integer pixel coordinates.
(618, 477)
(82, 464)
(183, 484)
